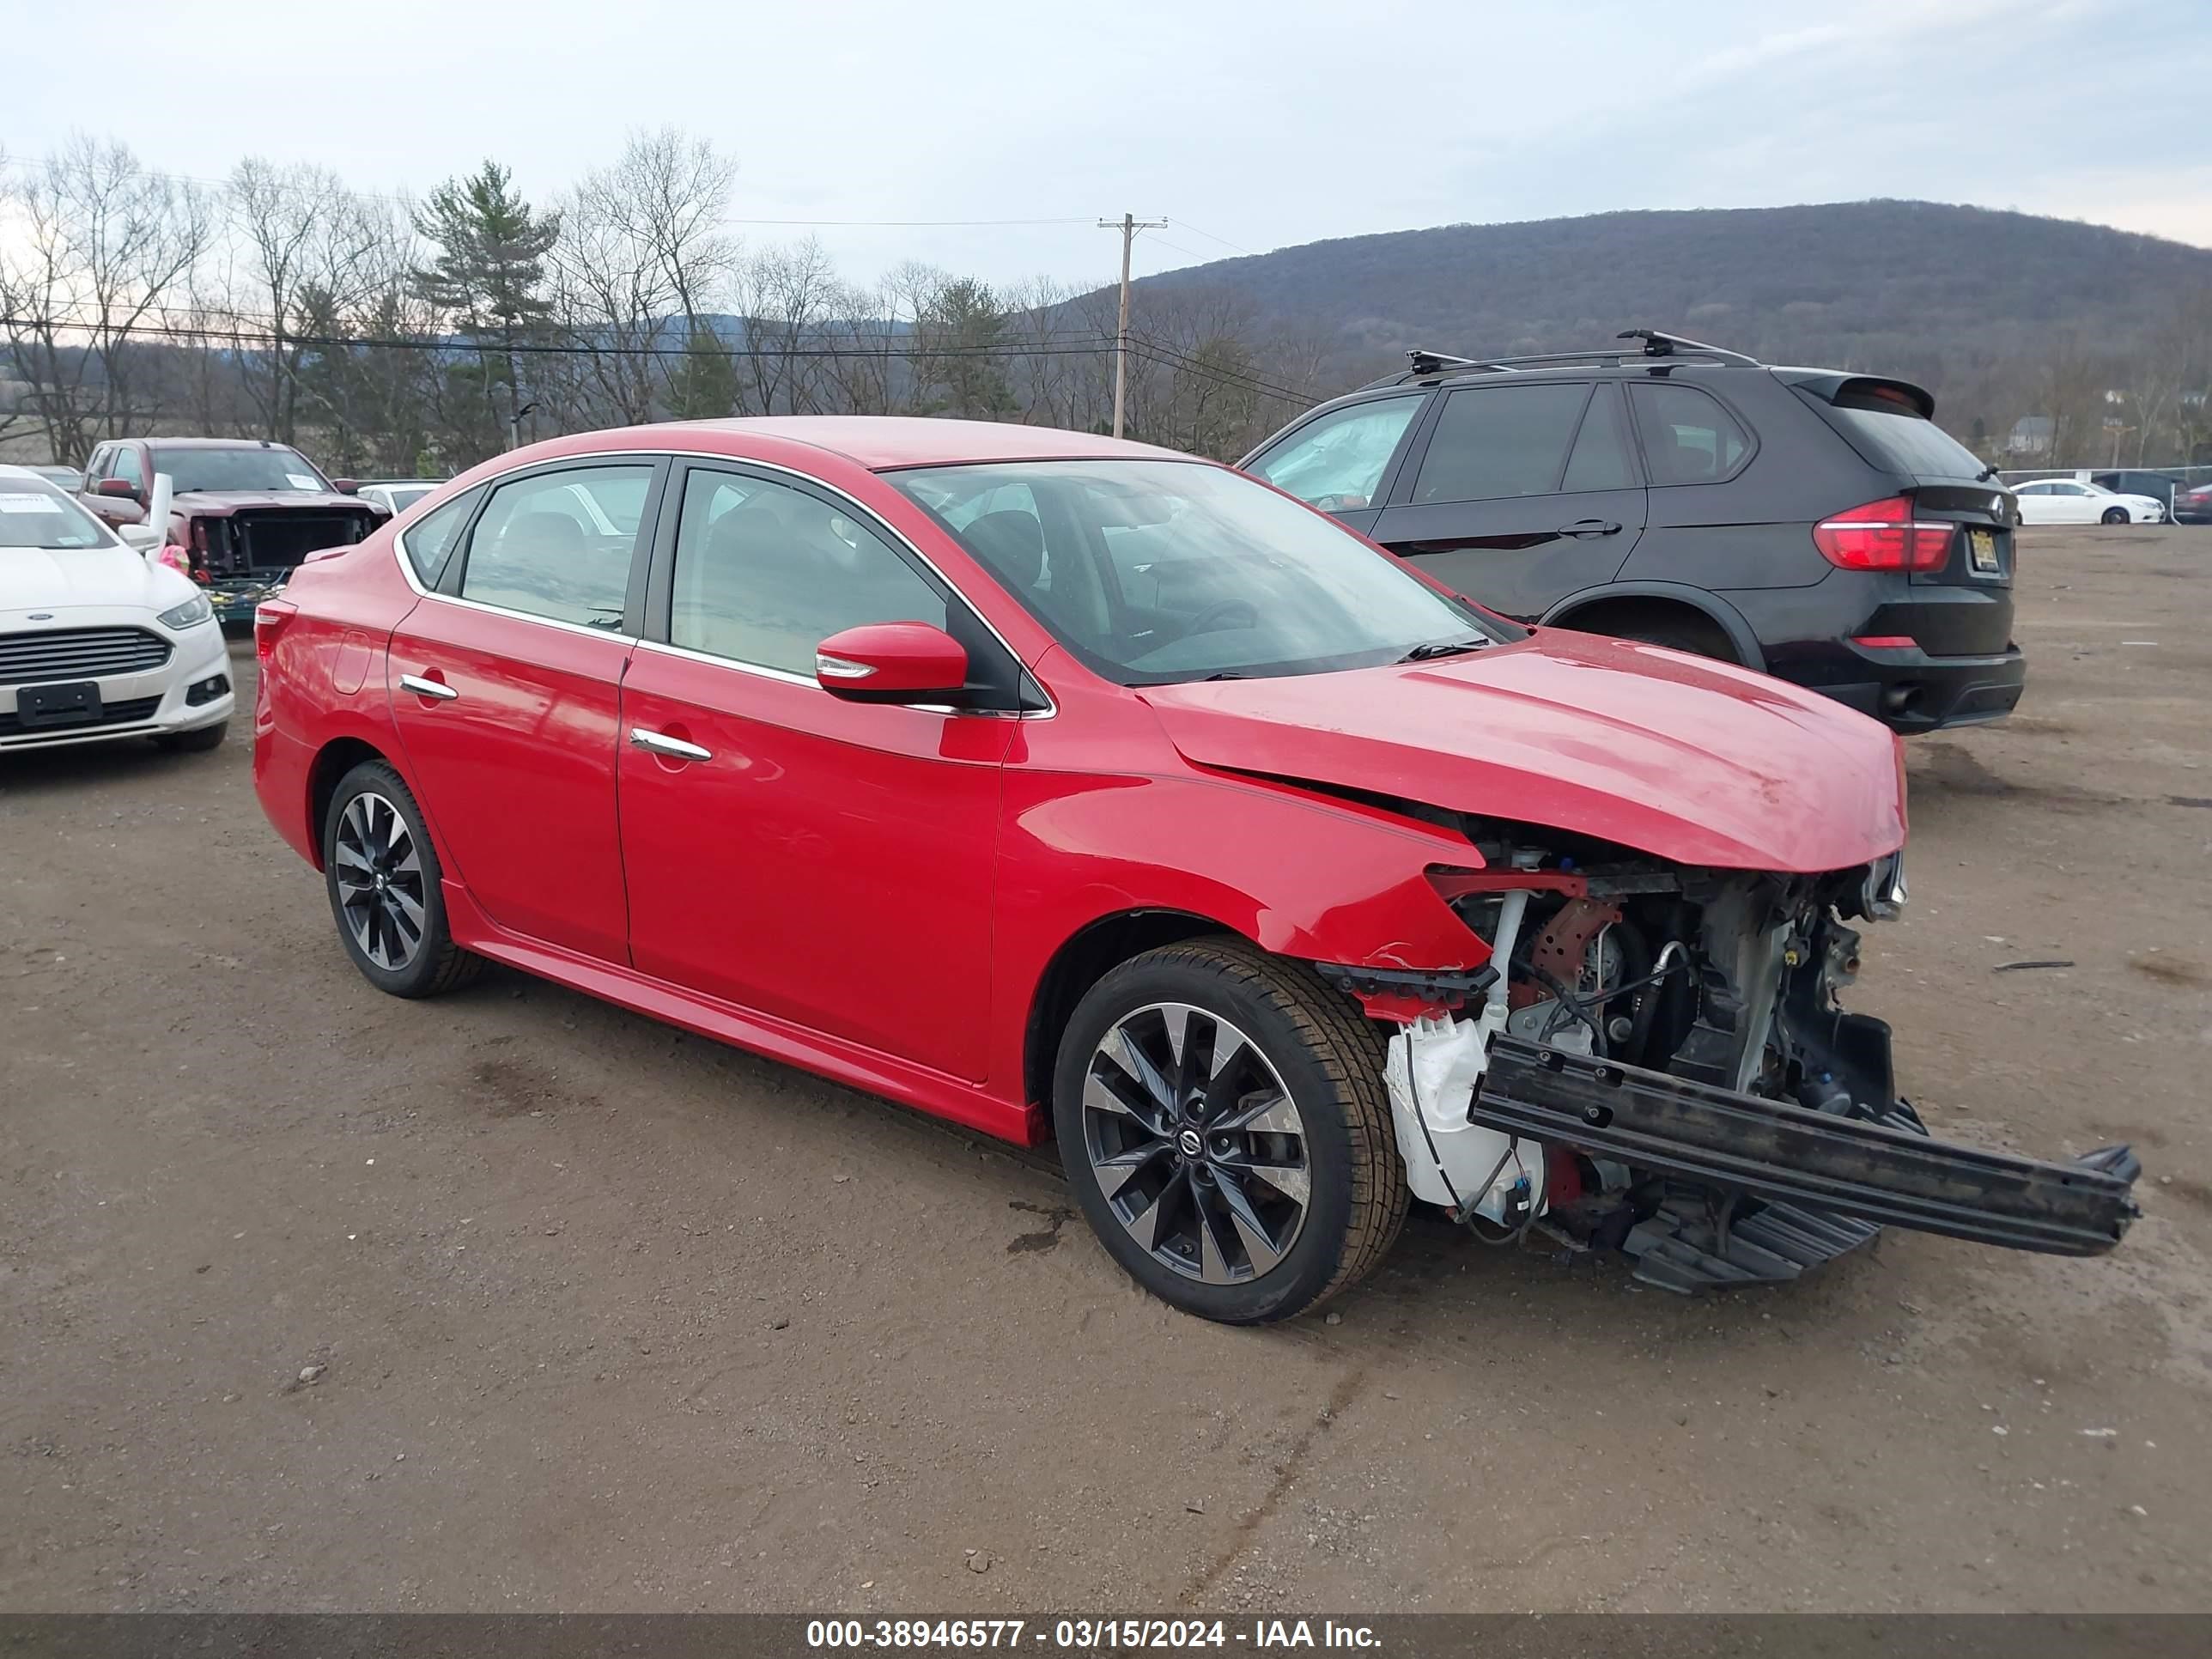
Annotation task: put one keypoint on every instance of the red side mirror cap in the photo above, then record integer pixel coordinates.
(121, 489)
(346, 486)
(891, 662)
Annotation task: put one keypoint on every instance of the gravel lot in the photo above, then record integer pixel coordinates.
(603, 1316)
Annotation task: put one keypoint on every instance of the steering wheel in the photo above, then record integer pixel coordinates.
(1217, 614)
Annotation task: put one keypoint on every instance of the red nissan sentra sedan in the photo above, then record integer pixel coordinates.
(1076, 789)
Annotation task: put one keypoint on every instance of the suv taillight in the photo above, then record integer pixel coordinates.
(1883, 536)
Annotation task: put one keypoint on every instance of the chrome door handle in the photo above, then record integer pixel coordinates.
(659, 744)
(422, 688)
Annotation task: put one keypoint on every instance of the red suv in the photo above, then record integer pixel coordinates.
(1068, 788)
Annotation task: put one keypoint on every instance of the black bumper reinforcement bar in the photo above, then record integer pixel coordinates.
(1778, 1151)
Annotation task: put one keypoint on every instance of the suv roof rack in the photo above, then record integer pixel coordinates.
(1425, 363)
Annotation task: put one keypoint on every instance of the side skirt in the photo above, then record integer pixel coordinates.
(849, 1063)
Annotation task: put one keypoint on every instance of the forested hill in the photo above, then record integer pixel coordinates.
(1916, 288)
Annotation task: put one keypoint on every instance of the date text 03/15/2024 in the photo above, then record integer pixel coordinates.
(1085, 1633)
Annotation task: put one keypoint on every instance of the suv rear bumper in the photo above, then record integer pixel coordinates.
(1910, 692)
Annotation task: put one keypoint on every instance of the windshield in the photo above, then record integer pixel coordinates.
(34, 514)
(272, 470)
(1153, 572)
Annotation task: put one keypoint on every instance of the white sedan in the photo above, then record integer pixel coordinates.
(97, 641)
(2069, 501)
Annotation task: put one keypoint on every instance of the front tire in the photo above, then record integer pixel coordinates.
(1222, 1120)
(2115, 515)
(382, 874)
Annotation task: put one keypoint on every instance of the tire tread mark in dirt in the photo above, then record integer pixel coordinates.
(1293, 1462)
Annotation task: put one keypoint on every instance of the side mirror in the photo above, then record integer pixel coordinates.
(121, 489)
(141, 537)
(346, 486)
(891, 662)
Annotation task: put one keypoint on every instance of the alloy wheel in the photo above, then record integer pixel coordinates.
(1196, 1145)
(381, 894)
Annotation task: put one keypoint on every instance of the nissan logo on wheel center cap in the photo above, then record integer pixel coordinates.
(1192, 1142)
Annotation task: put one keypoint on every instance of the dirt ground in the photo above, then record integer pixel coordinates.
(612, 1318)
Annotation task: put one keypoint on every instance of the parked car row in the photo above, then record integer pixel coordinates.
(2070, 501)
(1078, 790)
(245, 514)
(97, 642)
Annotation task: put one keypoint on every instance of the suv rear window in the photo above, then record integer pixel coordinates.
(1902, 442)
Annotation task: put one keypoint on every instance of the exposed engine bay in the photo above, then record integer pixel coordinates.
(1655, 1060)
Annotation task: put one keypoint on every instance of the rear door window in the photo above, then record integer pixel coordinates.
(1688, 438)
(1336, 463)
(559, 544)
(1500, 440)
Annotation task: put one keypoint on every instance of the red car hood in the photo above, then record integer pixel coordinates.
(1690, 761)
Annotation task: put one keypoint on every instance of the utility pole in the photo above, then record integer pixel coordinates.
(1128, 225)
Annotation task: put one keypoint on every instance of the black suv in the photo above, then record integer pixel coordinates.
(1813, 523)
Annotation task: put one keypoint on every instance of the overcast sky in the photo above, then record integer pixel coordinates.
(1250, 125)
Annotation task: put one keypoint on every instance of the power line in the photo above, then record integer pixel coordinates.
(552, 348)
(1219, 376)
(1186, 224)
(1184, 359)
(30, 168)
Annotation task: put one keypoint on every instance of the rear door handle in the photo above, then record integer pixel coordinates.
(437, 689)
(1590, 527)
(659, 743)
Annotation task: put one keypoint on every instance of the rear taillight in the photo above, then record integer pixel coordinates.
(1883, 536)
(268, 619)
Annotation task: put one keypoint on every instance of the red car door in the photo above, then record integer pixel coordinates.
(825, 863)
(505, 686)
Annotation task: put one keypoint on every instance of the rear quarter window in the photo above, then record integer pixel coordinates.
(1688, 438)
(429, 541)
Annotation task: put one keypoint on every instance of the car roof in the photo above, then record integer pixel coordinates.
(880, 442)
(9, 470)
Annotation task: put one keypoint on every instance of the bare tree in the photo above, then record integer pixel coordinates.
(97, 247)
(303, 250)
(787, 299)
(644, 263)
(610, 297)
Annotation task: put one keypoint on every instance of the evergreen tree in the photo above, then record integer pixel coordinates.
(704, 387)
(489, 274)
(962, 328)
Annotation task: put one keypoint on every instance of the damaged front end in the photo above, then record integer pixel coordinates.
(1654, 1060)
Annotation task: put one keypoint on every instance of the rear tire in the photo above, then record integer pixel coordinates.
(381, 872)
(196, 742)
(1224, 1123)
(2115, 515)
